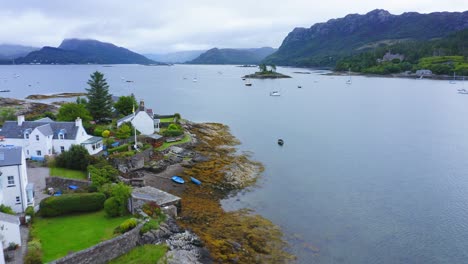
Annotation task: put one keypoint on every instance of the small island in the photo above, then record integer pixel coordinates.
(266, 72)
(59, 95)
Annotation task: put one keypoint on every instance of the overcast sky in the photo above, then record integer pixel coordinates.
(162, 26)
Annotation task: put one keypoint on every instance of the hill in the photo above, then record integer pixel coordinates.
(233, 56)
(85, 52)
(175, 57)
(324, 44)
(12, 51)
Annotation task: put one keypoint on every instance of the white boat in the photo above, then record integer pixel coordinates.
(275, 93)
(349, 77)
(195, 79)
(248, 83)
(453, 81)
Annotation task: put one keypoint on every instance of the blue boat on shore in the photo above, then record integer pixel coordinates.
(177, 179)
(196, 181)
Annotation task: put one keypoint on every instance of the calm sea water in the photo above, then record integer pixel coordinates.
(373, 172)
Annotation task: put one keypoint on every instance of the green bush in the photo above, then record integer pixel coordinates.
(71, 203)
(35, 245)
(150, 225)
(6, 209)
(76, 158)
(126, 226)
(105, 133)
(121, 148)
(112, 207)
(98, 130)
(102, 174)
(33, 256)
(29, 211)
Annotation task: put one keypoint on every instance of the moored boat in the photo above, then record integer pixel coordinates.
(280, 142)
(196, 181)
(177, 179)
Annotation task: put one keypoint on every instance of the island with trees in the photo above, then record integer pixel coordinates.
(266, 72)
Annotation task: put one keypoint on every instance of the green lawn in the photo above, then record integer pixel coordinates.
(167, 120)
(166, 145)
(145, 254)
(67, 173)
(61, 235)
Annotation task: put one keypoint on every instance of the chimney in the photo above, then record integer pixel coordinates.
(78, 122)
(142, 105)
(20, 120)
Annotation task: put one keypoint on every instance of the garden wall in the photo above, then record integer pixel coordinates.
(104, 251)
(63, 183)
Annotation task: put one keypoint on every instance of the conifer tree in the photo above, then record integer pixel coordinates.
(99, 100)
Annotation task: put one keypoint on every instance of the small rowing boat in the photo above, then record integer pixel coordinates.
(177, 179)
(196, 181)
(280, 142)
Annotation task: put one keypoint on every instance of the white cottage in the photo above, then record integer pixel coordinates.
(143, 120)
(9, 231)
(46, 137)
(14, 188)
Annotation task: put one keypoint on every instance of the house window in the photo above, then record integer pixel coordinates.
(38, 153)
(37, 137)
(11, 181)
(26, 135)
(18, 201)
(62, 148)
(61, 136)
(27, 151)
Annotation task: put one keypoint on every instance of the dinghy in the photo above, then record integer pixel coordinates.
(177, 179)
(196, 181)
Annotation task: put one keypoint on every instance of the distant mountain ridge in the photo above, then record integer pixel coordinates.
(175, 57)
(85, 51)
(325, 43)
(233, 56)
(13, 51)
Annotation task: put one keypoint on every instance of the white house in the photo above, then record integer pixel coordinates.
(14, 188)
(46, 137)
(9, 231)
(143, 120)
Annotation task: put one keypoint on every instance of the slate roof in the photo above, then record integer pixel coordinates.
(92, 140)
(46, 130)
(9, 218)
(152, 194)
(11, 129)
(10, 156)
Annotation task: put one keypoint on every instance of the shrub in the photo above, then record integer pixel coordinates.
(76, 158)
(101, 174)
(126, 226)
(105, 133)
(173, 130)
(152, 209)
(35, 245)
(71, 203)
(29, 211)
(6, 209)
(121, 148)
(112, 207)
(150, 225)
(33, 257)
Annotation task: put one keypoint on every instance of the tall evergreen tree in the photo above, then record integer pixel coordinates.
(99, 100)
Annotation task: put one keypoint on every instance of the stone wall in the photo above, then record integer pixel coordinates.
(104, 251)
(63, 183)
(133, 163)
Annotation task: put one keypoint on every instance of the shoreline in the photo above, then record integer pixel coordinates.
(212, 158)
(398, 75)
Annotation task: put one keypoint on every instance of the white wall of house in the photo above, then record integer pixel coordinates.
(2, 258)
(39, 144)
(10, 232)
(14, 188)
(143, 123)
(57, 145)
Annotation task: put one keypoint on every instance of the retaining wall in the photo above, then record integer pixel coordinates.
(104, 251)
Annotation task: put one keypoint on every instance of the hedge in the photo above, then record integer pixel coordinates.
(119, 148)
(72, 203)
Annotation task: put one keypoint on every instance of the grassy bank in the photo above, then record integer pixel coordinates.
(67, 173)
(64, 234)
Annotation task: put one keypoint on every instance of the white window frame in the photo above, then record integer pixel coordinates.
(11, 180)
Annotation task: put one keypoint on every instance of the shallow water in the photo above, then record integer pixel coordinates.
(372, 172)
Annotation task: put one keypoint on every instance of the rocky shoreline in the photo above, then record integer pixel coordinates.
(59, 95)
(272, 75)
(229, 237)
(23, 107)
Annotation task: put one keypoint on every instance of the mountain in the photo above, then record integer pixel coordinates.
(233, 56)
(175, 57)
(325, 43)
(11, 51)
(87, 51)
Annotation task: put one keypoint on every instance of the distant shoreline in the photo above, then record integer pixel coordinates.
(399, 75)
